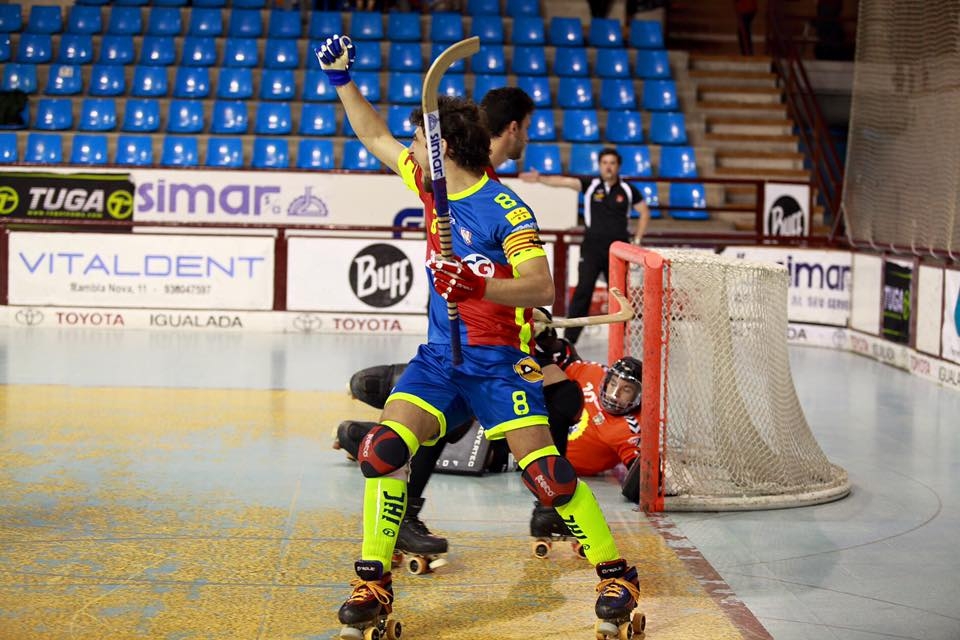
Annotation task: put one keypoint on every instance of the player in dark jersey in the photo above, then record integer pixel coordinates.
(498, 273)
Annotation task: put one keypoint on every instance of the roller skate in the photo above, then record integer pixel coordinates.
(416, 547)
(547, 527)
(619, 590)
(366, 614)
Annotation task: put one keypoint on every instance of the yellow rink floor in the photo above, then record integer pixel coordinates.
(196, 513)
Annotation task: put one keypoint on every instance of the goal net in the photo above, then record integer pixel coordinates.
(721, 426)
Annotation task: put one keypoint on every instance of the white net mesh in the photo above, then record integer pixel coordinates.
(736, 437)
(903, 159)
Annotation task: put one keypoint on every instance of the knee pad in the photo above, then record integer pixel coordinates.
(564, 404)
(382, 452)
(551, 479)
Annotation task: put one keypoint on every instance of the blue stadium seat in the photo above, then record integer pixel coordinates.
(191, 82)
(89, 149)
(248, 4)
(134, 151)
(224, 152)
(529, 61)
(483, 7)
(613, 63)
(280, 53)
(357, 158)
(483, 83)
(284, 24)
(403, 27)
(116, 49)
(245, 23)
(11, 18)
(35, 48)
(64, 80)
(581, 125)
(273, 118)
(169, 3)
(5, 49)
(405, 56)
(660, 95)
(489, 28)
(544, 157)
(229, 116)
(368, 58)
(574, 93)
(489, 60)
(624, 127)
(164, 21)
(316, 87)
(446, 27)
(678, 162)
(404, 88)
(584, 159)
(125, 21)
(208, 4)
(398, 121)
(315, 154)
(8, 147)
(20, 76)
(179, 151)
(75, 48)
(157, 51)
(198, 51)
(688, 194)
(646, 34)
(571, 61)
(235, 83)
(523, 8)
(205, 22)
(240, 52)
(566, 32)
(131, 3)
(542, 126)
(636, 160)
(668, 127)
(98, 114)
(44, 19)
(82, 19)
(528, 30)
(617, 93)
(141, 116)
(270, 153)
(458, 67)
(538, 88)
(605, 32)
(277, 84)
(452, 85)
(324, 24)
(149, 82)
(44, 148)
(508, 166)
(653, 64)
(318, 119)
(651, 195)
(185, 116)
(107, 80)
(54, 114)
(365, 25)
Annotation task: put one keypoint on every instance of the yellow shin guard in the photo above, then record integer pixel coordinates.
(586, 522)
(384, 503)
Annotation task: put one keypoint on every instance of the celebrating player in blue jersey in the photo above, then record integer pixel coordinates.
(498, 273)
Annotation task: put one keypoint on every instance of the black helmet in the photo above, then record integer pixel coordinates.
(621, 390)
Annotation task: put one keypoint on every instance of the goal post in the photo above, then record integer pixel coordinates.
(721, 425)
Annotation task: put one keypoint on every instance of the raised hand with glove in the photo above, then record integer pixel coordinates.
(336, 56)
(455, 281)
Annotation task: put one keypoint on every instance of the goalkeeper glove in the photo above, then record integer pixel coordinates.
(336, 55)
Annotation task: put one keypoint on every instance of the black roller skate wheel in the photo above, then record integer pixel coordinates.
(394, 629)
(372, 633)
(417, 565)
(541, 548)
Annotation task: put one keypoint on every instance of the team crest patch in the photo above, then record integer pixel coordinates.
(466, 235)
(529, 370)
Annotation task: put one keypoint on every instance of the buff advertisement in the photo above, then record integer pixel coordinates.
(83, 196)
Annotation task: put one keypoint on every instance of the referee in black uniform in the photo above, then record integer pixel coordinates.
(607, 201)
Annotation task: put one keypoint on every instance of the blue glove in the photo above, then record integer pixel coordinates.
(336, 55)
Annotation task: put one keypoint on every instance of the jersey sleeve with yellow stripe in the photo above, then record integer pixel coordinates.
(523, 242)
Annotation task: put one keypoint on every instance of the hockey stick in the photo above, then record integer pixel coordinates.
(624, 314)
(432, 133)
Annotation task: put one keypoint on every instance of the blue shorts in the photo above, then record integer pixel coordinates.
(501, 386)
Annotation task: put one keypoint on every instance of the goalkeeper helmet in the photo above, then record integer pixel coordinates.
(620, 393)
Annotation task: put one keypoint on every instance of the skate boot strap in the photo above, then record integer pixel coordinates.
(611, 587)
(361, 588)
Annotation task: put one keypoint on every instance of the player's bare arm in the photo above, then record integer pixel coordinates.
(551, 181)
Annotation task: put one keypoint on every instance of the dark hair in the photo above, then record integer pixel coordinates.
(610, 151)
(468, 141)
(503, 106)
